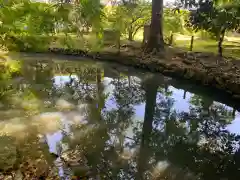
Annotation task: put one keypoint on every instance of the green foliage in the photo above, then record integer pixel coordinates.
(27, 25)
(129, 19)
(86, 14)
(215, 20)
(174, 21)
(8, 69)
(22, 21)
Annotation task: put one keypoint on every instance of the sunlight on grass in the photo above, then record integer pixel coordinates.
(139, 35)
(88, 41)
(230, 48)
(84, 42)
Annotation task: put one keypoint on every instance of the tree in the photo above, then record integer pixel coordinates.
(130, 17)
(151, 88)
(174, 21)
(155, 40)
(216, 20)
(24, 23)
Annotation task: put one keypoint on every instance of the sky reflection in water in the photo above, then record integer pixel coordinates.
(111, 108)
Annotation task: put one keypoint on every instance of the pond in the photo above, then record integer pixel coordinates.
(65, 118)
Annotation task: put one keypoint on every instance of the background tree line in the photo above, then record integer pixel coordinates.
(33, 25)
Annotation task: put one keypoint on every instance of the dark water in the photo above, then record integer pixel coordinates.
(83, 119)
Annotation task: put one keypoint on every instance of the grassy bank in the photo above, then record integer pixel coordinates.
(231, 45)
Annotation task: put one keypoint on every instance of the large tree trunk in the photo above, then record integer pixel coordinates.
(155, 40)
(151, 95)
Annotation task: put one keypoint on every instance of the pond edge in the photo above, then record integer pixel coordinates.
(186, 70)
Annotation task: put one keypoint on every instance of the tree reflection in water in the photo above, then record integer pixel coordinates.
(114, 142)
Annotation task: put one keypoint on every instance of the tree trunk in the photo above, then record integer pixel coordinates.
(130, 34)
(206, 104)
(191, 43)
(151, 94)
(234, 113)
(155, 40)
(221, 38)
(129, 81)
(100, 99)
(166, 87)
(184, 94)
(171, 39)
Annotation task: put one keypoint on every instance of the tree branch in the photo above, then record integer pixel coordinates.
(136, 29)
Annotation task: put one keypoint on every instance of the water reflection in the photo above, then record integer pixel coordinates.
(69, 119)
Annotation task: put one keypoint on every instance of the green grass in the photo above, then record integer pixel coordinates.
(84, 42)
(231, 45)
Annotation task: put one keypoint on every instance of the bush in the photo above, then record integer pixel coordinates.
(27, 42)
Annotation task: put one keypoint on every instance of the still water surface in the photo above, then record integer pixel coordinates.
(82, 119)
